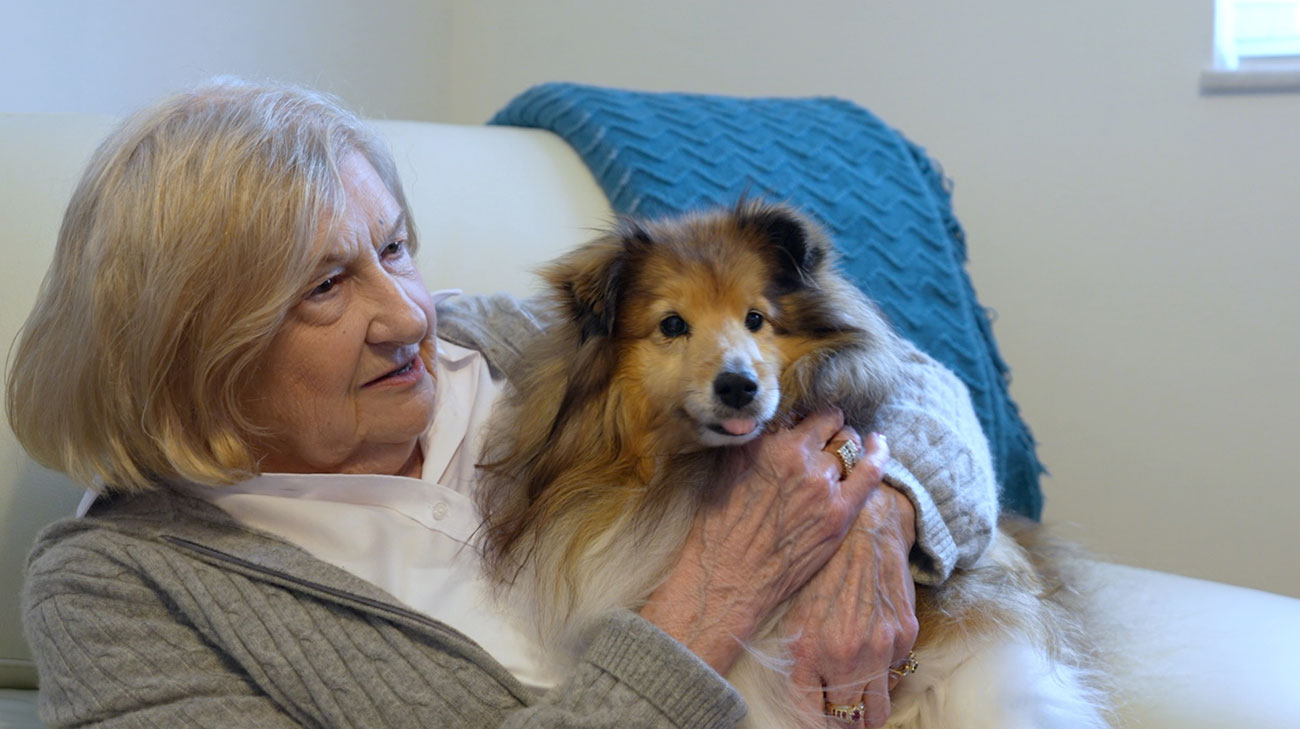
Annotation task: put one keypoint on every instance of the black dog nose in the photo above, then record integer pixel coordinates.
(735, 389)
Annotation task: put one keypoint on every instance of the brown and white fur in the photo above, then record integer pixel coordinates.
(674, 341)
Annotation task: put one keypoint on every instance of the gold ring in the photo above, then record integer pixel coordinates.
(908, 668)
(847, 713)
(849, 454)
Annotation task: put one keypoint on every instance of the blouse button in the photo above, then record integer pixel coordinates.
(439, 510)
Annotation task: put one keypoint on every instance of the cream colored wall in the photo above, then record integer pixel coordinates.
(1137, 240)
(112, 56)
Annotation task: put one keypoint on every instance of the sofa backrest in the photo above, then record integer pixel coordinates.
(489, 203)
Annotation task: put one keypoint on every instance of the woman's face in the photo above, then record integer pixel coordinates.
(343, 387)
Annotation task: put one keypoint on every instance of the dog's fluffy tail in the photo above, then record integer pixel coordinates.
(1061, 567)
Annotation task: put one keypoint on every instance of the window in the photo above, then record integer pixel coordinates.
(1257, 46)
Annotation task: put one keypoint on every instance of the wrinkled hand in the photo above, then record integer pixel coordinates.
(779, 513)
(857, 616)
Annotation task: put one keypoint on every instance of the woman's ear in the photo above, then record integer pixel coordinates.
(587, 281)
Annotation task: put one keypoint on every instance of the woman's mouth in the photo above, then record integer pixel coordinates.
(407, 373)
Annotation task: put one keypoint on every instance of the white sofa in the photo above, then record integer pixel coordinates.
(491, 202)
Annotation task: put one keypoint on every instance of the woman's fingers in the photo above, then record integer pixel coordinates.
(783, 509)
(807, 683)
(846, 447)
(875, 697)
(867, 469)
(845, 706)
(822, 425)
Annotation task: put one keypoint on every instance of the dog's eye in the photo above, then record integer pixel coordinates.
(753, 321)
(673, 326)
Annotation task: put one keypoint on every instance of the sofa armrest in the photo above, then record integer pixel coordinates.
(18, 709)
(1190, 653)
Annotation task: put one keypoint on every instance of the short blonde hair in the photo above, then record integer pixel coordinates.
(186, 241)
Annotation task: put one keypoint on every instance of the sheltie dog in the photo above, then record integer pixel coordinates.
(673, 341)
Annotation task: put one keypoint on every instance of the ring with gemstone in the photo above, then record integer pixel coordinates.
(850, 453)
(908, 667)
(847, 713)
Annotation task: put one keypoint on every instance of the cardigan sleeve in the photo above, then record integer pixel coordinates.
(941, 458)
(130, 631)
(497, 325)
(112, 653)
(637, 671)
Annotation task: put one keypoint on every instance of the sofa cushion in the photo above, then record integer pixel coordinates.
(1191, 654)
(883, 201)
(18, 710)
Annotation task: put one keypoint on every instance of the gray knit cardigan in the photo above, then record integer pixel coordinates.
(159, 610)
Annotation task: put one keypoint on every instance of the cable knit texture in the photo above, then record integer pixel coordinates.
(881, 198)
(160, 611)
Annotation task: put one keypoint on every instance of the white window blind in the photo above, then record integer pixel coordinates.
(1256, 46)
(1257, 29)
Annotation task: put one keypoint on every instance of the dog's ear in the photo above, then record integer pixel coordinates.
(588, 280)
(796, 244)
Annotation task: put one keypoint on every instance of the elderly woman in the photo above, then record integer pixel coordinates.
(233, 346)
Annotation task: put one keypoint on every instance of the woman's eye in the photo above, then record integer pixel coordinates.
(673, 326)
(324, 287)
(395, 248)
(753, 321)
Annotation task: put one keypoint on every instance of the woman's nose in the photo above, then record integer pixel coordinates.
(398, 317)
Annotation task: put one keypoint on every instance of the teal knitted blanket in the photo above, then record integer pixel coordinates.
(883, 201)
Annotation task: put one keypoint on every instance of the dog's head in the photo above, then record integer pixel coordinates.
(696, 319)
